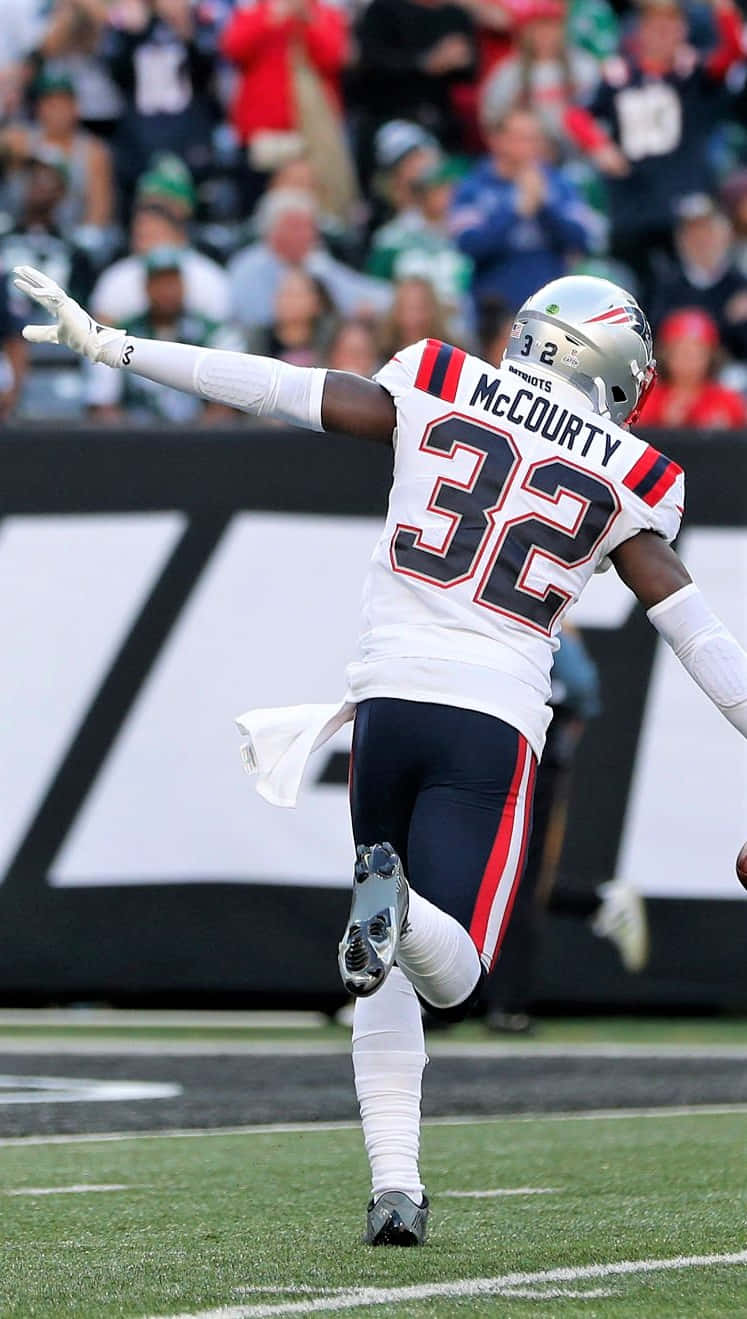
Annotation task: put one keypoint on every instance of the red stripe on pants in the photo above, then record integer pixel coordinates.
(520, 866)
(498, 853)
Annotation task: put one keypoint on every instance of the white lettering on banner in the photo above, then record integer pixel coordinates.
(688, 802)
(70, 588)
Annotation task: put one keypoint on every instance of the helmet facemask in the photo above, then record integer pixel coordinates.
(646, 380)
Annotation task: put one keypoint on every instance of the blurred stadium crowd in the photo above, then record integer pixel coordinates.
(328, 180)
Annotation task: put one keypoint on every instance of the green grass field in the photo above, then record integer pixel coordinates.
(206, 1216)
(71, 1025)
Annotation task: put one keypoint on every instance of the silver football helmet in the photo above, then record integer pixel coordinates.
(594, 335)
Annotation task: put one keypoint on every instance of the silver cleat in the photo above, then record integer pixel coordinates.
(395, 1220)
(378, 915)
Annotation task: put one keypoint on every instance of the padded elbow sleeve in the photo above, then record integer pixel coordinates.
(262, 386)
(712, 656)
(240, 380)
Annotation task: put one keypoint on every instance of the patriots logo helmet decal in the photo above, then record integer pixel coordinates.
(630, 315)
(639, 322)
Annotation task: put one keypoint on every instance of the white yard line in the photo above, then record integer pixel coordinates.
(526, 1293)
(556, 1293)
(311, 1128)
(364, 1297)
(88, 1043)
(297, 1289)
(80, 1189)
(499, 1191)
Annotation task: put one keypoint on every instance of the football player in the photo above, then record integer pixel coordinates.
(512, 486)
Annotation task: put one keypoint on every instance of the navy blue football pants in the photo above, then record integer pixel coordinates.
(452, 791)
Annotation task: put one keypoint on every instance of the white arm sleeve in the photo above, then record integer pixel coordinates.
(254, 384)
(712, 656)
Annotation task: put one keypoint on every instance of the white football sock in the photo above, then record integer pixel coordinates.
(437, 955)
(388, 1062)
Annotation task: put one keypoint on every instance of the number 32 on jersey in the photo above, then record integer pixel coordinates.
(484, 542)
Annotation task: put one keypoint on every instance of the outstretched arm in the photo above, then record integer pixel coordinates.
(303, 396)
(711, 655)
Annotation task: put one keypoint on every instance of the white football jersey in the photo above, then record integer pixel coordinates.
(509, 492)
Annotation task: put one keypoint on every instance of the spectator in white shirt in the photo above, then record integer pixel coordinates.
(121, 293)
(289, 236)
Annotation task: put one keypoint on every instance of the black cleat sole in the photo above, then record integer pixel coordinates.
(378, 914)
(395, 1220)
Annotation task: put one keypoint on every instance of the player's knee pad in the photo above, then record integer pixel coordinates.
(459, 1011)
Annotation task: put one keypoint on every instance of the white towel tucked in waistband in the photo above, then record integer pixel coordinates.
(281, 741)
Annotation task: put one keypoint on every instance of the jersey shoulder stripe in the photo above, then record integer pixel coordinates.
(652, 476)
(440, 369)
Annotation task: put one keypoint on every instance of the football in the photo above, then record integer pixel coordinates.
(742, 866)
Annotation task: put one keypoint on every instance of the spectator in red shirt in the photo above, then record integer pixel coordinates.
(262, 41)
(689, 394)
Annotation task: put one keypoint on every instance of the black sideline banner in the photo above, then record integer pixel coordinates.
(154, 585)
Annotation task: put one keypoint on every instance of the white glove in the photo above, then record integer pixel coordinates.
(75, 328)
